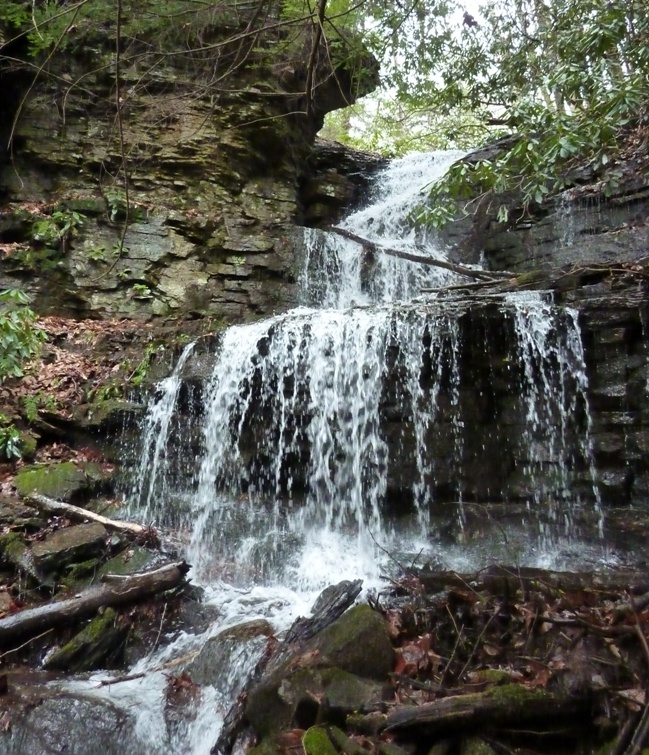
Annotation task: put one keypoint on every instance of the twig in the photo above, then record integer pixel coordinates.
(640, 735)
(477, 642)
(33, 639)
(162, 618)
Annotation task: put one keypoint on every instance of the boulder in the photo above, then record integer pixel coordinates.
(338, 671)
(99, 645)
(299, 697)
(358, 643)
(231, 647)
(78, 725)
(65, 546)
(64, 481)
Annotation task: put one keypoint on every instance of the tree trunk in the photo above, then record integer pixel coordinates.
(500, 706)
(116, 593)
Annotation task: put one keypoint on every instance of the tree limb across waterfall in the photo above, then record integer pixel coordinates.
(115, 593)
(373, 248)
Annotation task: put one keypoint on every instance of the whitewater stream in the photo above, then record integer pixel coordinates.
(283, 483)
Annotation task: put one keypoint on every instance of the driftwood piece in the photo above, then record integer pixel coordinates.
(331, 604)
(51, 506)
(503, 706)
(135, 587)
(372, 247)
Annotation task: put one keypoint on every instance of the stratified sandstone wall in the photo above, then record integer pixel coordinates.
(218, 179)
(584, 229)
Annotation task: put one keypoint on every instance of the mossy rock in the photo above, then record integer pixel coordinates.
(346, 745)
(78, 571)
(99, 645)
(129, 561)
(357, 642)
(78, 543)
(350, 653)
(268, 746)
(316, 742)
(106, 413)
(28, 444)
(476, 746)
(290, 698)
(64, 481)
(389, 748)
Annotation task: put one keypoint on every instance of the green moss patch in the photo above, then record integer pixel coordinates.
(64, 481)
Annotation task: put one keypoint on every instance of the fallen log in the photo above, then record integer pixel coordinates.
(372, 248)
(51, 506)
(509, 580)
(500, 706)
(136, 587)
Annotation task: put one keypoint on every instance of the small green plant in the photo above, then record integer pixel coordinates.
(141, 291)
(34, 402)
(56, 229)
(97, 254)
(9, 439)
(116, 204)
(139, 374)
(107, 392)
(20, 335)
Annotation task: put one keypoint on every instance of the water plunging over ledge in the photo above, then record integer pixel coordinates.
(350, 418)
(369, 421)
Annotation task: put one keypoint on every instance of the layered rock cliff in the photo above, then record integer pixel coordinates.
(183, 203)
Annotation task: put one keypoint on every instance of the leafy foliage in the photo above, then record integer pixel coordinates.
(568, 77)
(54, 230)
(9, 439)
(393, 128)
(20, 335)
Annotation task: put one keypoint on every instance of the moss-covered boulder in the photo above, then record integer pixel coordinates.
(357, 642)
(476, 746)
(336, 667)
(15, 551)
(71, 544)
(64, 481)
(316, 742)
(299, 697)
(99, 645)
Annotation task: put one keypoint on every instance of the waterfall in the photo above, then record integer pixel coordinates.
(343, 430)
(150, 483)
(294, 451)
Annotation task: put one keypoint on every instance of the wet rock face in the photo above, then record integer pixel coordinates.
(216, 185)
(77, 725)
(614, 328)
(577, 227)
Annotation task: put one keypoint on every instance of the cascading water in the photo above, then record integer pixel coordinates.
(331, 433)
